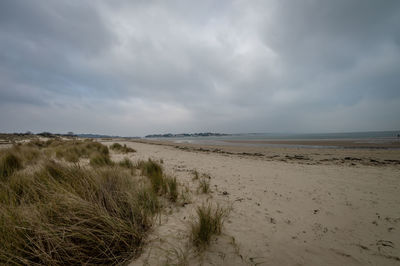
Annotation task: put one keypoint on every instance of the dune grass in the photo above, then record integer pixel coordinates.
(9, 163)
(209, 222)
(60, 214)
(204, 185)
(172, 185)
(127, 163)
(121, 148)
(161, 183)
(70, 151)
(100, 159)
(196, 175)
(71, 215)
(28, 154)
(154, 172)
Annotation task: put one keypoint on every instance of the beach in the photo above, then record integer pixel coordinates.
(200, 133)
(289, 206)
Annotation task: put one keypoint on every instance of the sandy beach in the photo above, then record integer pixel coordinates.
(200, 133)
(289, 206)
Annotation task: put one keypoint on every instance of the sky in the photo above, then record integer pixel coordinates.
(132, 68)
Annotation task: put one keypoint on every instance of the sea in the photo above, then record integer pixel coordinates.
(375, 137)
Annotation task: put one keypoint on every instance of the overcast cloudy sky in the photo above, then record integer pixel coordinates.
(140, 67)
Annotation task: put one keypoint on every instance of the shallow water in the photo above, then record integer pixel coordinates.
(355, 140)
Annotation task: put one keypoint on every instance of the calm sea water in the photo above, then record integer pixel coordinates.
(367, 137)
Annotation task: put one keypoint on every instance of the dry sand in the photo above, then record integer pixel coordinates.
(289, 206)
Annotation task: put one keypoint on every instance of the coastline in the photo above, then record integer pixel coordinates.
(353, 156)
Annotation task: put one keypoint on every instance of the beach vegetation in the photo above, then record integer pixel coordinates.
(154, 172)
(209, 222)
(195, 175)
(70, 215)
(9, 163)
(172, 185)
(121, 148)
(126, 163)
(185, 195)
(58, 213)
(100, 159)
(204, 186)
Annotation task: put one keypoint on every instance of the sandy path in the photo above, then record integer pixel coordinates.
(292, 214)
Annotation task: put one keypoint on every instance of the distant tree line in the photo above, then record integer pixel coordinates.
(169, 135)
(45, 134)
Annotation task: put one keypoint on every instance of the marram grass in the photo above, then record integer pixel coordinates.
(54, 213)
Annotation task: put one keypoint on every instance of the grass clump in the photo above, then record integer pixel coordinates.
(209, 222)
(185, 196)
(126, 163)
(9, 163)
(100, 159)
(60, 215)
(16, 157)
(204, 186)
(149, 201)
(121, 148)
(172, 185)
(196, 175)
(71, 151)
(161, 185)
(154, 172)
(27, 153)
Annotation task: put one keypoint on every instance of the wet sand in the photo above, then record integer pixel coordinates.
(310, 156)
(356, 143)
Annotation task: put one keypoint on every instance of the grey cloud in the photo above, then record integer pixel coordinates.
(137, 67)
(70, 25)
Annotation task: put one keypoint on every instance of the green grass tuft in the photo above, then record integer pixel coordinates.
(154, 172)
(209, 222)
